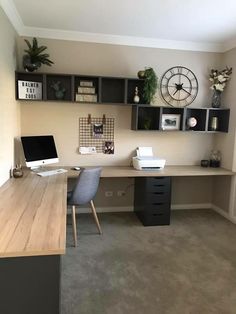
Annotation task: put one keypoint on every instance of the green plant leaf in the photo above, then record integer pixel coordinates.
(35, 53)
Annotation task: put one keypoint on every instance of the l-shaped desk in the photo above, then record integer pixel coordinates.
(33, 234)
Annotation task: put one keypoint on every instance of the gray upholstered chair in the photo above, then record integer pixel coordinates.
(83, 192)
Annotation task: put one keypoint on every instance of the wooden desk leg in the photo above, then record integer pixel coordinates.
(30, 285)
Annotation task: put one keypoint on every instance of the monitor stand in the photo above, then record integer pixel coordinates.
(38, 169)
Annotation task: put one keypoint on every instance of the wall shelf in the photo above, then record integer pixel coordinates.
(105, 90)
(149, 118)
(121, 91)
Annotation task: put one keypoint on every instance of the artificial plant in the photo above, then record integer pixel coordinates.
(34, 58)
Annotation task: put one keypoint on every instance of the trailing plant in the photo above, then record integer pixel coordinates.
(150, 85)
(34, 58)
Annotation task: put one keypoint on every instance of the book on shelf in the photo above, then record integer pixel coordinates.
(86, 83)
(86, 97)
(86, 90)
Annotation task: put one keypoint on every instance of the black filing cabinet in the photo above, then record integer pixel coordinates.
(152, 197)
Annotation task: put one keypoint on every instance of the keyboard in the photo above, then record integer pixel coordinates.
(51, 172)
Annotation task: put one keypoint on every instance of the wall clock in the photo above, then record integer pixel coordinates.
(179, 86)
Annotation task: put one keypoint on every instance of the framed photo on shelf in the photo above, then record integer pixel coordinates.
(170, 122)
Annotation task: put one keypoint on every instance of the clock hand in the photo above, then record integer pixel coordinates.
(175, 92)
(186, 91)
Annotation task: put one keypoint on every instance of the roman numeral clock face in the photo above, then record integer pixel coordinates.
(179, 86)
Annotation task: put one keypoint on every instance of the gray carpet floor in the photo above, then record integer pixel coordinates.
(188, 267)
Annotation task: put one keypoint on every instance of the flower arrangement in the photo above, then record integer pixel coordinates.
(219, 78)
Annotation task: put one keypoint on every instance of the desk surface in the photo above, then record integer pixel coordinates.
(168, 171)
(33, 208)
(33, 215)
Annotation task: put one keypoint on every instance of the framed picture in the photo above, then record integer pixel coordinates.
(109, 147)
(97, 130)
(170, 122)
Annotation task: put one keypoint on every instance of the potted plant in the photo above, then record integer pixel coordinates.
(150, 84)
(34, 58)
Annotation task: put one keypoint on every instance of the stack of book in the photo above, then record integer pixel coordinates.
(86, 92)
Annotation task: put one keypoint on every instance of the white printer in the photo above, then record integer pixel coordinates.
(146, 161)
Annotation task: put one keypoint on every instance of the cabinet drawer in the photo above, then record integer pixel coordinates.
(156, 219)
(157, 197)
(158, 208)
(158, 184)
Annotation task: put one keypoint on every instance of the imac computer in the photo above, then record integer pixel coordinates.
(39, 150)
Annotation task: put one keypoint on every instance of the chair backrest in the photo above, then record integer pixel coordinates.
(86, 186)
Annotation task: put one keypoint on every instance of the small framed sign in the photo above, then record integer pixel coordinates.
(29, 90)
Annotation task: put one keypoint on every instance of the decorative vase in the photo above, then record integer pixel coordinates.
(141, 74)
(136, 96)
(17, 172)
(216, 99)
(59, 94)
(28, 65)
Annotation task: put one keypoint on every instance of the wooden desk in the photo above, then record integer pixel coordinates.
(33, 234)
(168, 171)
(32, 239)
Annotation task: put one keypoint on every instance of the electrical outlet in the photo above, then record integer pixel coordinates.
(120, 193)
(109, 193)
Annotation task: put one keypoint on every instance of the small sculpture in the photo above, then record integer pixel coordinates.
(59, 91)
(17, 172)
(136, 96)
(192, 122)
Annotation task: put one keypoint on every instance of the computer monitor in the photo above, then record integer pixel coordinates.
(39, 150)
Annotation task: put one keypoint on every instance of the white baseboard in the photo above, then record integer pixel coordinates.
(223, 213)
(191, 206)
(115, 209)
(108, 209)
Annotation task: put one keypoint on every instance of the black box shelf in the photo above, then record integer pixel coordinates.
(113, 90)
(64, 82)
(95, 82)
(145, 117)
(222, 116)
(200, 114)
(29, 77)
(131, 85)
(173, 111)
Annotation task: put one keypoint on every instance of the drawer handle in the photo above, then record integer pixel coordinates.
(157, 214)
(158, 193)
(158, 184)
(157, 203)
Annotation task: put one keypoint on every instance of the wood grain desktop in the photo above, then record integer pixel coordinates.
(33, 216)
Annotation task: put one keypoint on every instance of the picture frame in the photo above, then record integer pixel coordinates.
(170, 122)
(30, 90)
(97, 129)
(109, 147)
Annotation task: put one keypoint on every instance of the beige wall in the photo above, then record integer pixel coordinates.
(226, 142)
(10, 109)
(85, 58)
(224, 195)
(61, 119)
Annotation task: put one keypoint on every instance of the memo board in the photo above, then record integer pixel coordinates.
(96, 132)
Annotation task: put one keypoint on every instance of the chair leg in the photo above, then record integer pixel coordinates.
(74, 225)
(95, 217)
